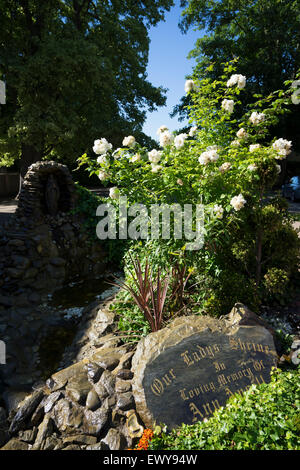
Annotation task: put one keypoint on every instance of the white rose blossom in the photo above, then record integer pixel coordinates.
(166, 138)
(103, 175)
(210, 155)
(129, 141)
(256, 118)
(155, 168)
(218, 211)
(228, 105)
(282, 147)
(101, 146)
(114, 193)
(238, 202)
(237, 79)
(254, 147)
(180, 140)
(192, 131)
(154, 156)
(161, 129)
(136, 157)
(103, 160)
(252, 167)
(278, 169)
(242, 134)
(189, 85)
(225, 167)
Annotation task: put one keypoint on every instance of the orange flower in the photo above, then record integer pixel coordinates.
(145, 440)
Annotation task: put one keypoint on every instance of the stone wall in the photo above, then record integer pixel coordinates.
(39, 252)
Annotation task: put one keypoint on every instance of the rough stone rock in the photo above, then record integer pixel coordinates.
(79, 386)
(125, 401)
(93, 401)
(97, 446)
(15, 444)
(67, 416)
(26, 410)
(124, 374)
(51, 443)
(44, 431)
(50, 400)
(94, 372)
(135, 430)
(80, 439)
(101, 390)
(95, 421)
(72, 447)
(113, 440)
(240, 321)
(108, 381)
(29, 435)
(122, 386)
(60, 378)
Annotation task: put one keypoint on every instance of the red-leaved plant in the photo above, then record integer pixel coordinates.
(149, 295)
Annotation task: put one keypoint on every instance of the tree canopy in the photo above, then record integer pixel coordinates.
(75, 70)
(263, 34)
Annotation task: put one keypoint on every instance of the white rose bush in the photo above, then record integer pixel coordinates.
(227, 161)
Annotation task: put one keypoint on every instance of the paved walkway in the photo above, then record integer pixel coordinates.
(7, 207)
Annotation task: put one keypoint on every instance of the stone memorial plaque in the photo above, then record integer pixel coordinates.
(186, 380)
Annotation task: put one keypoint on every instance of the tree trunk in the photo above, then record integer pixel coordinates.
(29, 156)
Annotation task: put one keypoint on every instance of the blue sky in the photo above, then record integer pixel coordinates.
(168, 66)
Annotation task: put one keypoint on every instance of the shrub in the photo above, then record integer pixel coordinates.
(265, 417)
(227, 163)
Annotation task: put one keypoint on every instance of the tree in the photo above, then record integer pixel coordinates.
(75, 71)
(263, 34)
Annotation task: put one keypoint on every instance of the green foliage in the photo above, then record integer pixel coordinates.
(263, 34)
(265, 417)
(74, 69)
(85, 211)
(229, 165)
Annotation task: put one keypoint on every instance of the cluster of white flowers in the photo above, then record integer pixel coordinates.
(242, 134)
(129, 141)
(282, 147)
(161, 129)
(180, 140)
(235, 143)
(218, 211)
(154, 156)
(155, 168)
(189, 85)
(103, 175)
(103, 160)
(237, 79)
(228, 105)
(238, 202)
(254, 147)
(114, 193)
(252, 167)
(210, 155)
(257, 118)
(101, 146)
(166, 138)
(135, 158)
(225, 167)
(193, 131)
